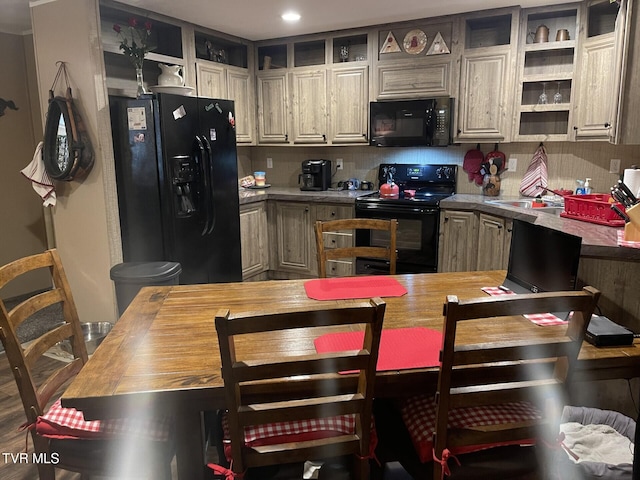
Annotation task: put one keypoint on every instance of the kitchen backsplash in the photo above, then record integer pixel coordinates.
(567, 162)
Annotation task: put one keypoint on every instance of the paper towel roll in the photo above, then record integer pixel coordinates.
(632, 180)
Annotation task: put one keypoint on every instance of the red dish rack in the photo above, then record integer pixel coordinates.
(593, 208)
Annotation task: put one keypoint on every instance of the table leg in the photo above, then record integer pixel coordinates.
(190, 451)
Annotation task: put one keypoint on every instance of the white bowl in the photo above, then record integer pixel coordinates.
(174, 89)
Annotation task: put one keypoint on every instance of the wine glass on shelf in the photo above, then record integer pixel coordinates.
(543, 99)
(557, 97)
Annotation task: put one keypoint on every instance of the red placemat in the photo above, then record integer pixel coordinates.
(542, 319)
(354, 287)
(400, 348)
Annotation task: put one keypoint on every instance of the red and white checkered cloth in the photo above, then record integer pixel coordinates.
(61, 422)
(298, 430)
(542, 319)
(419, 416)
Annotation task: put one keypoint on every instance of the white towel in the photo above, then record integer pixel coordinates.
(40, 180)
(597, 443)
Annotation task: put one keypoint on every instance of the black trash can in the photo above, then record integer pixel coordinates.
(130, 277)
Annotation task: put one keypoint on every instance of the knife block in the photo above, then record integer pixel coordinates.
(631, 232)
(632, 228)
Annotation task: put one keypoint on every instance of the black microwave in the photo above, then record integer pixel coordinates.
(411, 123)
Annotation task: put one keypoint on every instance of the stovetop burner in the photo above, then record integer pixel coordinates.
(418, 184)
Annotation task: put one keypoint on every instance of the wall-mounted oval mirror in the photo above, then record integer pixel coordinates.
(67, 152)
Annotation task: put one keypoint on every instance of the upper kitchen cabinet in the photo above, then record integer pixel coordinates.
(486, 76)
(627, 123)
(224, 70)
(596, 84)
(313, 90)
(546, 66)
(608, 82)
(416, 60)
(167, 41)
(309, 92)
(349, 92)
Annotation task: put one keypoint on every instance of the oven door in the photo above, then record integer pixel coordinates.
(417, 237)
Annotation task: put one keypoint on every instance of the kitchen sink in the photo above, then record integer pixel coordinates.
(512, 203)
(553, 209)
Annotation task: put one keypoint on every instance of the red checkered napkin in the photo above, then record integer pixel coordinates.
(61, 422)
(542, 319)
(419, 416)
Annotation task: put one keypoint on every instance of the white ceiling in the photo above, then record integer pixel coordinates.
(260, 19)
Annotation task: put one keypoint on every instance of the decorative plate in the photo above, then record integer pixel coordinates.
(175, 89)
(415, 41)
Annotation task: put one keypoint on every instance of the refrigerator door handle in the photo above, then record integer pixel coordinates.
(204, 181)
(211, 191)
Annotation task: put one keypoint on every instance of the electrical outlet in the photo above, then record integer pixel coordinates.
(339, 165)
(512, 164)
(269, 162)
(614, 165)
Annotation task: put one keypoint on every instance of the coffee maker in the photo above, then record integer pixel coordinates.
(316, 175)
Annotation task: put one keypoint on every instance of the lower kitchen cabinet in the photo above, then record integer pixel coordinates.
(254, 240)
(471, 241)
(458, 241)
(292, 238)
(494, 239)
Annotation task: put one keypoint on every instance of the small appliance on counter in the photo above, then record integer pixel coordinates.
(315, 176)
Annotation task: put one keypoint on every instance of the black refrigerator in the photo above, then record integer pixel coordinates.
(177, 182)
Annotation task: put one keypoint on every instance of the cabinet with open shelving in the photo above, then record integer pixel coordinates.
(295, 82)
(546, 69)
(165, 38)
(486, 80)
(599, 65)
(223, 71)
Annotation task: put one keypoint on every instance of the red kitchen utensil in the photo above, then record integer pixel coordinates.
(497, 158)
(472, 164)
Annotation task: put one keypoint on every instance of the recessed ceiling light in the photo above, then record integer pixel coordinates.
(291, 16)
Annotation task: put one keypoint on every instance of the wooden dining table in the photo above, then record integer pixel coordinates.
(163, 355)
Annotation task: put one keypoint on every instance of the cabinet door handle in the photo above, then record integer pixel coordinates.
(286, 137)
(333, 214)
(306, 209)
(324, 137)
(607, 124)
(575, 128)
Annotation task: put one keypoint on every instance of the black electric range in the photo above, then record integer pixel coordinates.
(416, 207)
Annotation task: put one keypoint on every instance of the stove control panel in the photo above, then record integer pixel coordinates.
(418, 175)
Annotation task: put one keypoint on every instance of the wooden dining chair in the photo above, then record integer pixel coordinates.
(502, 394)
(60, 436)
(335, 250)
(298, 406)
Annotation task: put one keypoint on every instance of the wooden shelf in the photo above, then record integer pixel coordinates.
(544, 46)
(548, 107)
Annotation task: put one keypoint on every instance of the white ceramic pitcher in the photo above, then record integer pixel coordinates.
(170, 75)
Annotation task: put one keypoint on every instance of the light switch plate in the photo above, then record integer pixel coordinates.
(614, 165)
(269, 162)
(512, 164)
(339, 165)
